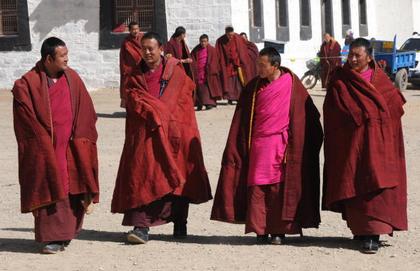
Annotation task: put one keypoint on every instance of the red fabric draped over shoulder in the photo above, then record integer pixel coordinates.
(364, 147)
(162, 152)
(38, 171)
(302, 180)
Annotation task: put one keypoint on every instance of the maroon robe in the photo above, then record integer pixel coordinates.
(130, 56)
(167, 151)
(364, 170)
(56, 135)
(300, 196)
(330, 54)
(180, 51)
(213, 70)
(233, 54)
(253, 52)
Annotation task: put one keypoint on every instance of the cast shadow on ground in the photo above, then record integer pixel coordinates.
(115, 115)
(18, 245)
(30, 246)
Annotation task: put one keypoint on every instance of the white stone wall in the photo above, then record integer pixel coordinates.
(416, 15)
(198, 17)
(392, 17)
(77, 23)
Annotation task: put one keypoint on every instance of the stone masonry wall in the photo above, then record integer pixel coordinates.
(77, 23)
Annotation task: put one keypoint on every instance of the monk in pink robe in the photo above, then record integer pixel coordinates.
(208, 70)
(270, 170)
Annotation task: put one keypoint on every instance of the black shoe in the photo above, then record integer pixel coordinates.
(180, 230)
(230, 102)
(210, 107)
(277, 239)
(199, 108)
(262, 239)
(53, 248)
(370, 244)
(138, 236)
(358, 237)
(66, 243)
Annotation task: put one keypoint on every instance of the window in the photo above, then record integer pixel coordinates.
(8, 18)
(14, 26)
(126, 11)
(305, 20)
(257, 13)
(256, 29)
(327, 17)
(363, 26)
(346, 15)
(282, 19)
(115, 15)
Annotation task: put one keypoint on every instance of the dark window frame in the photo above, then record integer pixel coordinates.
(256, 33)
(112, 40)
(346, 22)
(136, 8)
(363, 23)
(22, 40)
(305, 27)
(324, 15)
(282, 31)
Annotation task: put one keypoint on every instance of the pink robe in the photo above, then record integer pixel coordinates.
(201, 65)
(270, 132)
(367, 75)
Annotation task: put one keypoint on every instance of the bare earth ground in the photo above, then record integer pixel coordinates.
(211, 245)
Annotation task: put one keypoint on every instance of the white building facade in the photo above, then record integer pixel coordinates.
(92, 28)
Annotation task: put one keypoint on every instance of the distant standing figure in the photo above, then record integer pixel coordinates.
(207, 77)
(176, 47)
(330, 54)
(130, 56)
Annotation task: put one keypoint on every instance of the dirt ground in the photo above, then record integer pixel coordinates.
(211, 245)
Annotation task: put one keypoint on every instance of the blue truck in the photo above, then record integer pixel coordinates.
(398, 64)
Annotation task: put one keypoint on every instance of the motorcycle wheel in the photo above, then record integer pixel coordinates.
(309, 80)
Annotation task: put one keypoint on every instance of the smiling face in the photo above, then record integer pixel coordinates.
(359, 59)
(134, 30)
(151, 52)
(58, 62)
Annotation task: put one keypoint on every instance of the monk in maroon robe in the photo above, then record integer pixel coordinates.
(176, 47)
(330, 56)
(130, 56)
(364, 171)
(252, 49)
(54, 123)
(162, 167)
(237, 66)
(270, 177)
(207, 74)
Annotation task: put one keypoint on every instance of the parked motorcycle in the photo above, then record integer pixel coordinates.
(311, 77)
